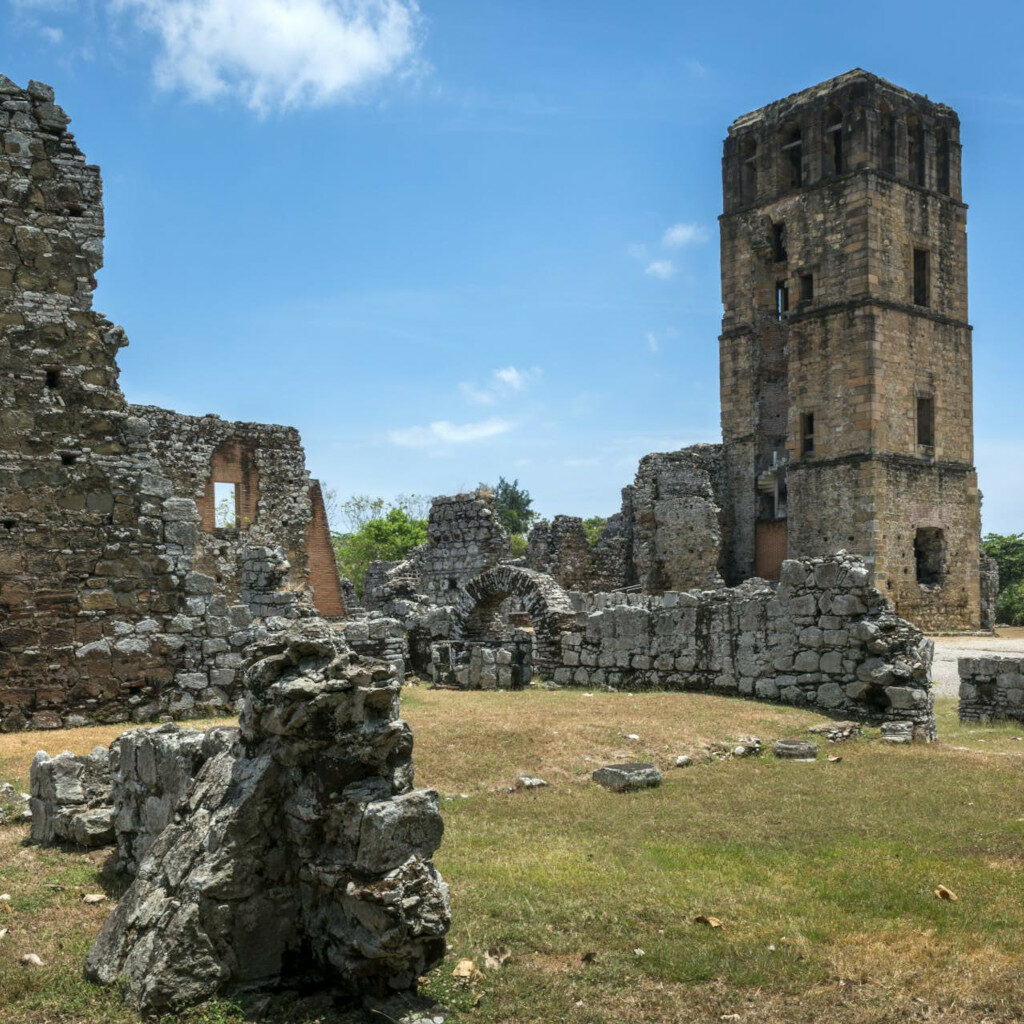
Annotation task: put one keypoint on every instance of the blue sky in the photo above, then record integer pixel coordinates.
(478, 237)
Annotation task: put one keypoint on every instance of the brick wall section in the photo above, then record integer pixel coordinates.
(991, 689)
(323, 568)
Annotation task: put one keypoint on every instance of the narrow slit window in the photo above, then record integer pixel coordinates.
(806, 288)
(748, 171)
(921, 283)
(225, 505)
(834, 142)
(52, 377)
(781, 299)
(942, 160)
(779, 242)
(926, 420)
(930, 556)
(807, 433)
(915, 152)
(793, 157)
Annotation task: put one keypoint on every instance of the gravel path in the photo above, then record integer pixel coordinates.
(949, 648)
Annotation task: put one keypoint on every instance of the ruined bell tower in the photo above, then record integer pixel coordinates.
(845, 349)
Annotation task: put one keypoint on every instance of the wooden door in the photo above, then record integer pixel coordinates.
(770, 546)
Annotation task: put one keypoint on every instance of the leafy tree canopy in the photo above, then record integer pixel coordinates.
(1008, 551)
(513, 504)
(592, 527)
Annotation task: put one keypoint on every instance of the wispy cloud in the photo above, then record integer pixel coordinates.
(678, 235)
(278, 54)
(52, 34)
(661, 269)
(505, 381)
(696, 68)
(444, 433)
(655, 339)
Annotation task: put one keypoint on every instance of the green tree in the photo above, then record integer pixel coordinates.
(513, 505)
(382, 531)
(1008, 552)
(592, 527)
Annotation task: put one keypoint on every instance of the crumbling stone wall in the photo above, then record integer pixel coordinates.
(476, 665)
(561, 550)
(118, 595)
(989, 591)
(320, 870)
(824, 637)
(464, 538)
(70, 799)
(676, 534)
(991, 689)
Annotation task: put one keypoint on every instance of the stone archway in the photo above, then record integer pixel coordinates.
(550, 610)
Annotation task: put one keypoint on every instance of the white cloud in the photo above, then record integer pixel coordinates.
(51, 34)
(655, 338)
(661, 269)
(505, 381)
(445, 433)
(278, 54)
(652, 342)
(679, 235)
(582, 463)
(696, 68)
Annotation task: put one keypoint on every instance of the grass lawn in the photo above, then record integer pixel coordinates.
(822, 874)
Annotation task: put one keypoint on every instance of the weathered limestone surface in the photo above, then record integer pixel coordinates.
(70, 799)
(561, 549)
(991, 689)
(301, 851)
(825, 638)
(989, 591)
(493, 665)
(150, 772)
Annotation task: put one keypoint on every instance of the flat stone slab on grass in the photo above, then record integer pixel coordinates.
(622, 778)
(795, 750)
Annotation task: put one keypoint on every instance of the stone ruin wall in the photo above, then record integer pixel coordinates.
(118, 596)
(991, 689)
(562, 550)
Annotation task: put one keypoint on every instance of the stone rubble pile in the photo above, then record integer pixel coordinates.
(991, 689)
(70, 799)
(299, 855)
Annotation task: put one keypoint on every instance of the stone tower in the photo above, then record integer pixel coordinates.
(845, 347)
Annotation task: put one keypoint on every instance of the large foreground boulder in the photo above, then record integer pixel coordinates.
(300, 855)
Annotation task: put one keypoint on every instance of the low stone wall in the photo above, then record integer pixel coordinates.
(501, 665)
(70, 799)
(991, 688)
(823, 637)
(380, 637)
(150, 771)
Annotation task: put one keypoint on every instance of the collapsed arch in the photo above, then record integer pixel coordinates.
(548, 605)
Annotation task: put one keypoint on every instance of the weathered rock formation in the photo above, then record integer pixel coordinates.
(301, 854)
(70, 799)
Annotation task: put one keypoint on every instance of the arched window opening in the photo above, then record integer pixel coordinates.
(834, 157)
(942, 159)
(915, 151)
(793, 156)
(748, 170)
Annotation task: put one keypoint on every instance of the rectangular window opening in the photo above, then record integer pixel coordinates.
(836, 134)
(930, 555)
(926, 420)
(779, 242)
(781, 299)
(806, 287)
(807, 433)
(225, 505)
(52, 377)
(921, 284)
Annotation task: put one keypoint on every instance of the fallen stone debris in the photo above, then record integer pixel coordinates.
(625, 778)
(837, 732)
(70, 799)
(795, 750)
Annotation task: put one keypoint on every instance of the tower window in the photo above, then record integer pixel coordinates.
(792, 153)
(942, 159)
(930, 555)
(886, 139)
(806, 288)
(779, 242)
(915, 152)
(52, 377)
(781, 299)
(921, 277)
(748, 170)
(807, 433)
(926, 420)
(834, 142)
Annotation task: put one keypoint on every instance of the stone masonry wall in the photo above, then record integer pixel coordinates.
(823, 638)
(119, 595)
(561, 549)
(991, 689)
